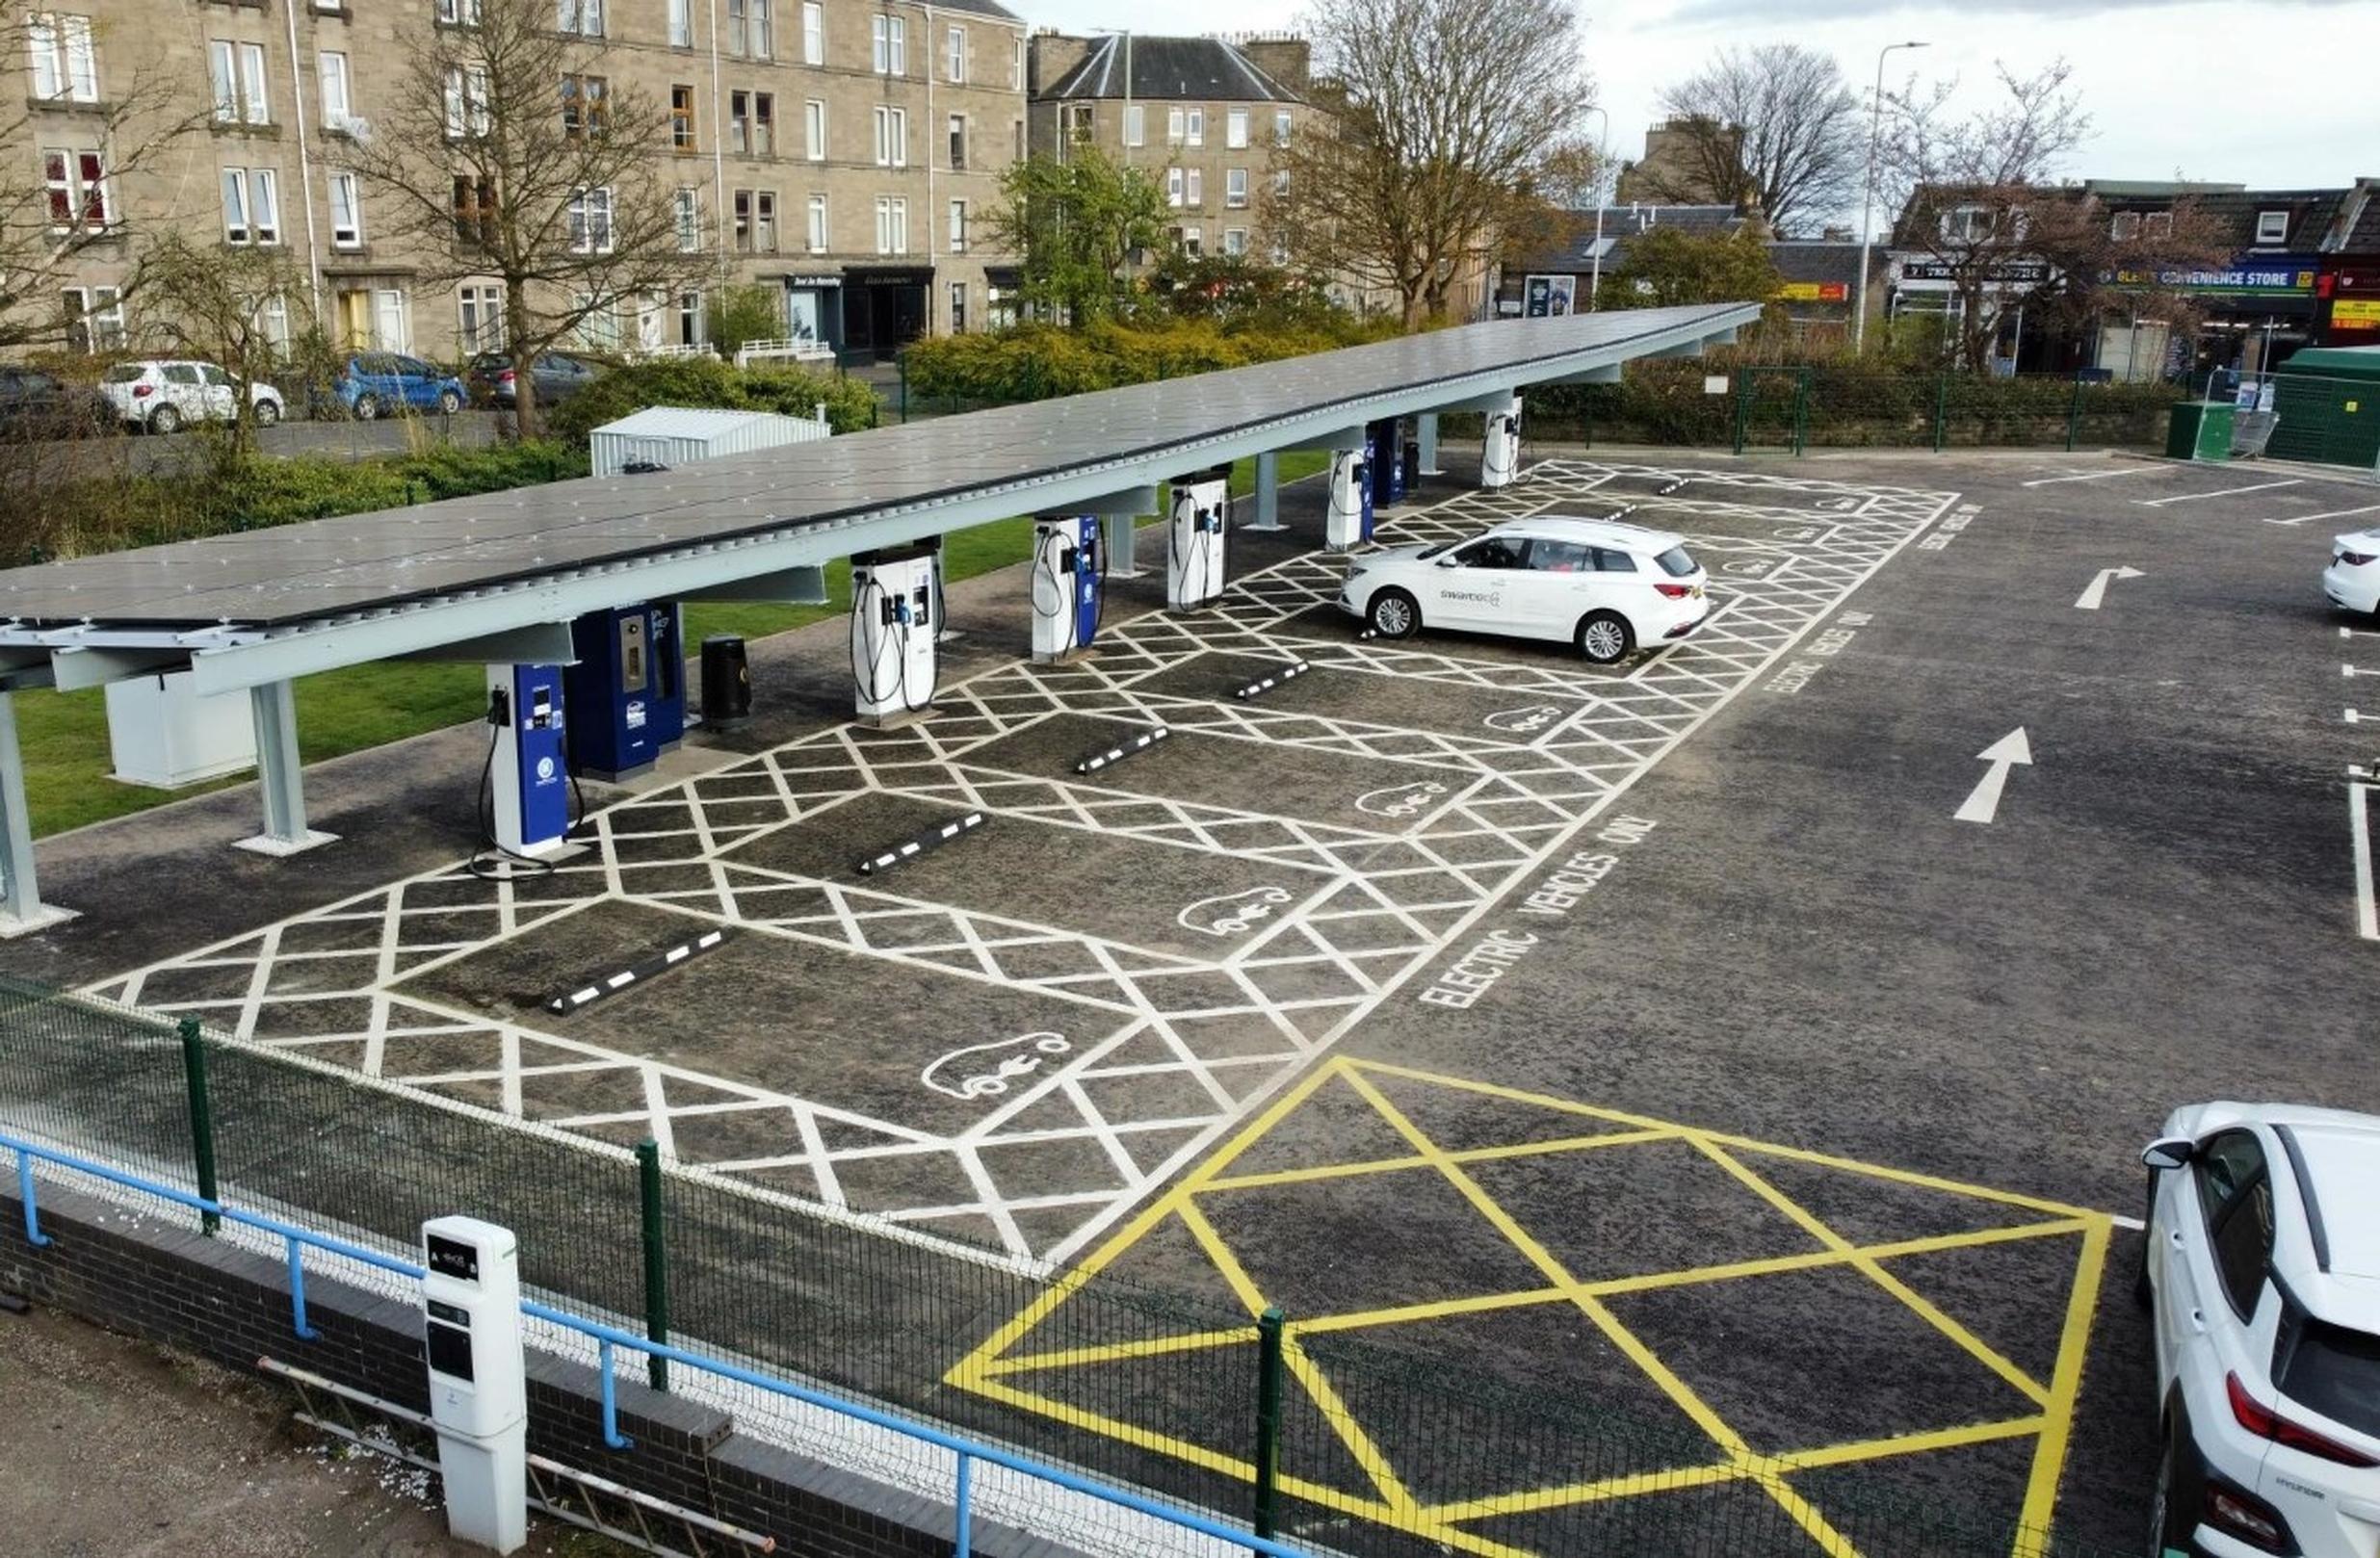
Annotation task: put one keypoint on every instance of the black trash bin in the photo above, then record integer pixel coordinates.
(1410, 457)
(726, 680)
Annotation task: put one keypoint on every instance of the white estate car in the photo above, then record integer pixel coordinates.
(2263, 1273)
(1607, 587)
(166, 396)
(2353, 578)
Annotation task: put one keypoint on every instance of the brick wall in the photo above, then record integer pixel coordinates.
(160, 1279)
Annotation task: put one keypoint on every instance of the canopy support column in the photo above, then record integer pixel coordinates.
(280, 775)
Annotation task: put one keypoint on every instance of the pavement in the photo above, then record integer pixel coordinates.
(1749, 1045)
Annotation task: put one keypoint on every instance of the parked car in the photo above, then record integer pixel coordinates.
(558, 376)
(36, 404)
(2353, 578)
(369, 384)
(1607, 587)
(165, 397)
(2262, 1270)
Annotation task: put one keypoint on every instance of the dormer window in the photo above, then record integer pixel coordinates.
(2272, 226)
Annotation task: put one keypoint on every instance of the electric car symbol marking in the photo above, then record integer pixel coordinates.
(1524, 721)
(1798, 532)
(1400, 800)
(971, 1073)
(1232, 914)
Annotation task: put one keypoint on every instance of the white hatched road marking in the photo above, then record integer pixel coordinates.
(1386, 897)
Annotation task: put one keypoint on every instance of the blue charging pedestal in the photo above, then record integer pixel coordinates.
(627, 693)
(1067, 584)
(530, 776)
(1387, 462)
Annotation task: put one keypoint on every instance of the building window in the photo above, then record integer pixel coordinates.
(813, 129)
(95, 318)
(958, 308)
(1174, 122)
(742, 202)
(273, 323)
(237, 71)
(890, 45)
(763, 222)
(479, 317)
(955, 65)
(958, 140)
(681, 24)
(77, 188)
(64, 66)
(689, 319)
(1074, 124)
(751, 124)
(1236, 129)
(1967, 224)
(584, 17)
(389, 328)
(473, 205)
(1235, 240)
(346, 211)
(763, 125)
(1196, 191)
(459, 13)
(751, 26)
(1280, 127)
(1188, 238)
(689, 209)
(1280, 182)
(1235, 186)
(466, 101)
(2272, 226)
(816, 232)
(582, 105)
(813, 33)
(590, 221)
(1136, 124)
(330, 69)
(2156, 224)
(958, 226)
(1198, 129)
(892, 138)
(892, 224)
(1173, 188)
(2124, 226)
(252, 206)
(1016, 140)
(682, 136)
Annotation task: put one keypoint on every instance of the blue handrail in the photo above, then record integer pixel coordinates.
(609, 1338)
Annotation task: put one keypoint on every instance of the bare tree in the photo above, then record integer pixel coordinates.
(102, 109)
(511, 157)
(1447, 125)
(1772, 127)
(234, 305)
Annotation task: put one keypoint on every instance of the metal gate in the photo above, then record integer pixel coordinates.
(1772, 409)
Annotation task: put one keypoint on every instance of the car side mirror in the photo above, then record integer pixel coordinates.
(1448, 562)
(2170, 1153)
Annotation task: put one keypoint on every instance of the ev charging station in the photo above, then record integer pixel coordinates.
(1069, 584)
(1348, 522)
(1386, 460)
(479, 1396)
(627, 691)
(1500, 452)
(895, 612)
(528, 773)
(1194, 540)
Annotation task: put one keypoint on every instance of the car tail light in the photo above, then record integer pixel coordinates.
(1676, 592)
(141, 392)
(2355, 560)
(2265, 1423)
(506, 376)
(2245, 1516)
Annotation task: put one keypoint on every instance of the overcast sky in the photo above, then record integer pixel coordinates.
(2272, 93)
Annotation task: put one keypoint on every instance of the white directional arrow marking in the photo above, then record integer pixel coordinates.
(1982, 803)
(2097, 590)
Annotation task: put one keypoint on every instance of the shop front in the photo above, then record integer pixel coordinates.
(885, 308)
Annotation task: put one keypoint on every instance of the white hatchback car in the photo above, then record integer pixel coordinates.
(2353, 578)
(1607, 587)
(2261, 1269)
(166, 396)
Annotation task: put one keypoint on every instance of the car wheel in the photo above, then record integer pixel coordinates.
(2175, 1497)
(267, 412)
(1604, 638)
(165, 419)
(367, 407)
(1393, 614)
(449, 402)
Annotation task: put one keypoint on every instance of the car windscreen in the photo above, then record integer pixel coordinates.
(126, 373)
(2336, 1372)
(1676, 563)
(1433, 550)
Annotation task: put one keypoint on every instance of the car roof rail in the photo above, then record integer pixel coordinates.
(2305, 1193)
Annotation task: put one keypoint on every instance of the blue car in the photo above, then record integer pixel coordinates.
(372, 385)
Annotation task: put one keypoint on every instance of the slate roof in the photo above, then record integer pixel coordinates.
(1179, 70)
(1620, 223)
(980, 8)
(1798, 260)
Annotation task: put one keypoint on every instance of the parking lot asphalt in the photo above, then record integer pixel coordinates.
(1722, 1038)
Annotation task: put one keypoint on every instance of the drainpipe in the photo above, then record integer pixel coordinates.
(718, 143)
(932, 214)
(305, 164)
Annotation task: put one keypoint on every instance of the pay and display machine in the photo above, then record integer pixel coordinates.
(1500, 454)
(627, 693)
(895, 611)
(479, 1399)
(1069, 582)
(528, 773)
(1347, 523)
(1386, 460)
(1195, 539)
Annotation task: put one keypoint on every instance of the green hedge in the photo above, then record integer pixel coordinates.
(1035, 362)
(708, 383)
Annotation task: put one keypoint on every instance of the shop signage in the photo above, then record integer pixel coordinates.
(2356, 314)
(1816, 291)
(2260, 278)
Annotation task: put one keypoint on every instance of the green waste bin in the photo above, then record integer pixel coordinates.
(2199, 431)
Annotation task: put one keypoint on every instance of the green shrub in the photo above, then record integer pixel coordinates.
(708, 383)
(1035, 362)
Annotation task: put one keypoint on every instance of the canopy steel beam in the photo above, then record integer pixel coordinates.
(539, 644)
(793, 586)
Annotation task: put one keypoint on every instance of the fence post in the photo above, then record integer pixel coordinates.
(1942, 408)
(901, 362)
(2074, 413)
(202, 1119)
(1271, 1365)
(656, 1259)
(1743, 403)
(1801, 412)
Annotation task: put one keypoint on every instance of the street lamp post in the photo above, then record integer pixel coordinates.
(1867, 202)
(1594, 283)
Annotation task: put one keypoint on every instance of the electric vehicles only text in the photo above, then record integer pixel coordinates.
(1606, 588)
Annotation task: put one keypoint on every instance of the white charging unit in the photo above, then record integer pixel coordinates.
(479, 1397)
(1195, 535)
(1065, 585)
(894, 612)
(1500, 450)
(1348, 522)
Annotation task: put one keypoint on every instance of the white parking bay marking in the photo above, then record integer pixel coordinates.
(2336, 513)
(2227, 492)
(2096, 591)
(1982, 803)
(2092, 476)
(2359, 829)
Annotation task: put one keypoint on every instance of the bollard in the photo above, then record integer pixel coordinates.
(1271, 1365)
(202, 1119)
(656, 1259)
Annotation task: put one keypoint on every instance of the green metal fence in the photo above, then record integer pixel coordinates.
(1317, 1434)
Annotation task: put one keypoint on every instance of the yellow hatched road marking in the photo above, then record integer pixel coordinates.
(1470, 1155)
(2050, 1460)
(1117, 1351)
